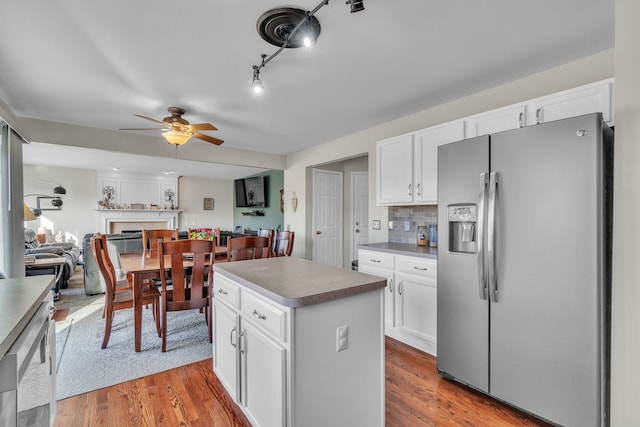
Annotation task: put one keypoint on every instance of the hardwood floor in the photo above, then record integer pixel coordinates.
(192, 396)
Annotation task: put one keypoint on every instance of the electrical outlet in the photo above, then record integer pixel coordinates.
(407, 226)
(390, 225)
(342, 338)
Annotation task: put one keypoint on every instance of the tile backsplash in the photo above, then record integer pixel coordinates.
(415, 215)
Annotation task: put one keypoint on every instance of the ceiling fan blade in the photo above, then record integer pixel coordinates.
(208, 138)
(142, 129)
(149, 118)
(203, 126)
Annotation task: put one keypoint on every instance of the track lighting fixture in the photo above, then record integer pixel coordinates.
(288, 27)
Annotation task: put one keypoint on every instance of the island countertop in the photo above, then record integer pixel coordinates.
(295, 282)
(19, 300)
(410, 249)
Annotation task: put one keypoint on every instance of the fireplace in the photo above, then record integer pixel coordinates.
(113, 221)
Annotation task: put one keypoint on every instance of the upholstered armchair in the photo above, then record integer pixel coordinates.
(42, 250)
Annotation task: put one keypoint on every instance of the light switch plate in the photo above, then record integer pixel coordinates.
(342, 338)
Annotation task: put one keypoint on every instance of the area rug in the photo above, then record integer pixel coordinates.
(82, 365)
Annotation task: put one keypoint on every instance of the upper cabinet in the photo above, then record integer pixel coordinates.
(407, 165)
(494, 121)
(596, 97)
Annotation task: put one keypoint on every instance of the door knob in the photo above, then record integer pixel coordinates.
(357, 231)
(318, 232)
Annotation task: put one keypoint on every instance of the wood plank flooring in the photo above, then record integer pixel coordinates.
(192, 396)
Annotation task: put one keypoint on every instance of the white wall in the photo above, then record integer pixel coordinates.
(577, 73)
(192, 192)
(625, 410)
(78, 214)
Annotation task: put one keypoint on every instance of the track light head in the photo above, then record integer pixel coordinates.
(356, 5)
(256, 84)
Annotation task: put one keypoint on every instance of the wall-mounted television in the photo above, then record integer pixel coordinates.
(252, 192)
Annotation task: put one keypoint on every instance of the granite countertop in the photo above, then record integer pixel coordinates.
(19, 300)
(295, 282)
(410, 249)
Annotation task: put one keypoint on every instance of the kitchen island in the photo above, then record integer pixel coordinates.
(299, 343)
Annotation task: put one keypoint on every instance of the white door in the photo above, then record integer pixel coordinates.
(327, 217)
(359, 211)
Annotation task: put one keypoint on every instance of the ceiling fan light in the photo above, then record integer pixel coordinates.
(176, 137)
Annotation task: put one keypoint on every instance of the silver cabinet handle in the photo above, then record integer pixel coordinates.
(418, 189)
(491, 236)
(233, 332)
(410, 193)
(400, 288)
(391, 285)
(258, 315)
(243, 343)
(222, 291)
(521, 120)
(374, 260)
(415, 267)
(482, 277)
(538, 111)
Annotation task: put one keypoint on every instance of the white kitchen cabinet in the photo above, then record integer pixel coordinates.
(416, 305)
(249, 352)
(263, 373)
(498, 120)
(410, 296)
(425, 167)
(395, 170)
(284, 363)
(592, 98)
(407, 165)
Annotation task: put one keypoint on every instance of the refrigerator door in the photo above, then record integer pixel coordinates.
(545, 328)
(463, 340)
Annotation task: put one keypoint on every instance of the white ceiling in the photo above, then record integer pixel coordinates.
(98, 63)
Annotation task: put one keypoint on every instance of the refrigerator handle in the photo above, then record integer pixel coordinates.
(482, 277)
(491, 236)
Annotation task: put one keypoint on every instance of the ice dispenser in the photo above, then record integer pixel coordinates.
(462, 228)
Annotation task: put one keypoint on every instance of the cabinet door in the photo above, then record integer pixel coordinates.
(389, 294)
(425, 157)
(416, 307)
(575, 102)
(494, 121)
(395, 170)
(263, 374)
(225, 348)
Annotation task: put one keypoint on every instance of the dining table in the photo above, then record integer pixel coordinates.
(143, 266)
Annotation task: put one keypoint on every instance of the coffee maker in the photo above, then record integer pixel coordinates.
(462, 228)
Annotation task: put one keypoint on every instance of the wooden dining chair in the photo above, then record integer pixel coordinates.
(283, 243)
(190, 266)
(118, 293)
(150, 237)
(248, 247)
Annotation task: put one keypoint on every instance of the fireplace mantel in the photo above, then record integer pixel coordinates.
(116, 220)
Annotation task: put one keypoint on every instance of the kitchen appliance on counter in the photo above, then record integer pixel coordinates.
(524, 270)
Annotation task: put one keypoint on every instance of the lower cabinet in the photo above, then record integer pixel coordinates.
(282, 367)
(410, 297)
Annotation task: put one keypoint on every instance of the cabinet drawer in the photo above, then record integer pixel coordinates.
(264, 314)
(226, 290)
(418, 266)
(375, 259)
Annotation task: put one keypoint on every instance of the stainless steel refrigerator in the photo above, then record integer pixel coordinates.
(524, 267)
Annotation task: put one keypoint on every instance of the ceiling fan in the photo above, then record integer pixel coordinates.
(178, 130)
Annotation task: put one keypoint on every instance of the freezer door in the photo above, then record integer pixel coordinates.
(545, 328)
(463, 341)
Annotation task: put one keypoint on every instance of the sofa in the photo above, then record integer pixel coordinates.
(116, 244)
(69, 251)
